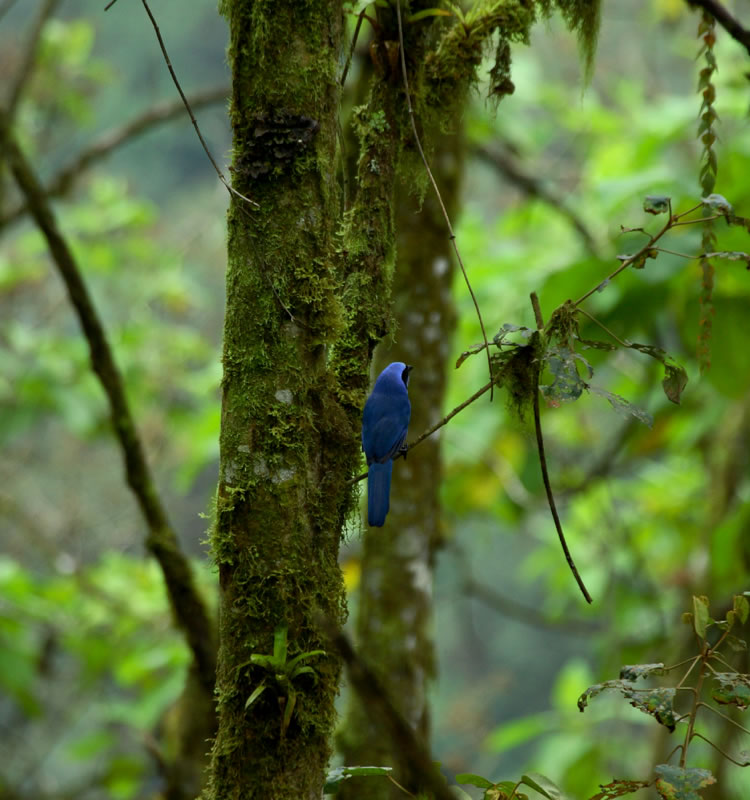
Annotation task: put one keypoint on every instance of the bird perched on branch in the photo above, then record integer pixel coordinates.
(385, 422)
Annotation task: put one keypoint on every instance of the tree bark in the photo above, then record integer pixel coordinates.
(286, 447)
(395, 594)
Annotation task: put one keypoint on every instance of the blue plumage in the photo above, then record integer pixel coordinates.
(385, 422)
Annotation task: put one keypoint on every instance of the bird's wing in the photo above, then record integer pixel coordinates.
(388, 435)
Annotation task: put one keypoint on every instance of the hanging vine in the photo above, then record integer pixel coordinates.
(708, 170)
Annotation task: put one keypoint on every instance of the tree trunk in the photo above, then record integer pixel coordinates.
(395, 595)
(286, 450)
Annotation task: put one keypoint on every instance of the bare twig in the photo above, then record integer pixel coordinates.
(452, 235)
(109, 141)
(548, 489)
(603, 327)
(444, 421)
(725, 19)
(509, 167)
(527, 615)
(28, 63)
(185, 102)
(413, 754)
(537, 311)
(694, 710)
(718, 749)
(355, 36)
(187, 605)
(670, 223)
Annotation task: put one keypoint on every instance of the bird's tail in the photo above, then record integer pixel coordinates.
(378, 492)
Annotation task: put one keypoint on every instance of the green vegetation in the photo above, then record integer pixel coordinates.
(599, 159)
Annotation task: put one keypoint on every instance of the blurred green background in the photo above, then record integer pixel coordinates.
(89, 663)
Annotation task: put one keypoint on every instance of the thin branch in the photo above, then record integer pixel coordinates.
(699, 221)
(548, 489)
(452, 236)
(721, 658)
(185, 102)
(725, 19)
(631, 259)
(413, 754)
(355, 36)
(689, 256)
(510, 168)
(444, 421)
(718, 749)
(682, 663)
(187, 605)
(527, 615)
(537, 311)
(64, 179)
(28, 62)
(603, 327)
(693, 711)
(724, 716)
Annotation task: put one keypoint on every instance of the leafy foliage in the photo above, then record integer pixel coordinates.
(679, 783)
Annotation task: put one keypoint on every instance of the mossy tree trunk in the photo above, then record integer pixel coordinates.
(395, 596)
(286, 446)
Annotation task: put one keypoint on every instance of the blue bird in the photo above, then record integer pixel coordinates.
(384, 424)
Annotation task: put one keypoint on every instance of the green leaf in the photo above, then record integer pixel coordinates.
(622, 406)
(596, 689)
(337, 776)
(543, 785)
(656, 204)
(567, 385)
(619, 788)
(279, 646)
(302, 656)
(291, 701)
(674, 382)
(681, 783)
(657, 703)
(428, 12)
(631, 672)
(257, 692)
(700, 615)
(733, 689)
(474, 780)
(741, 608)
